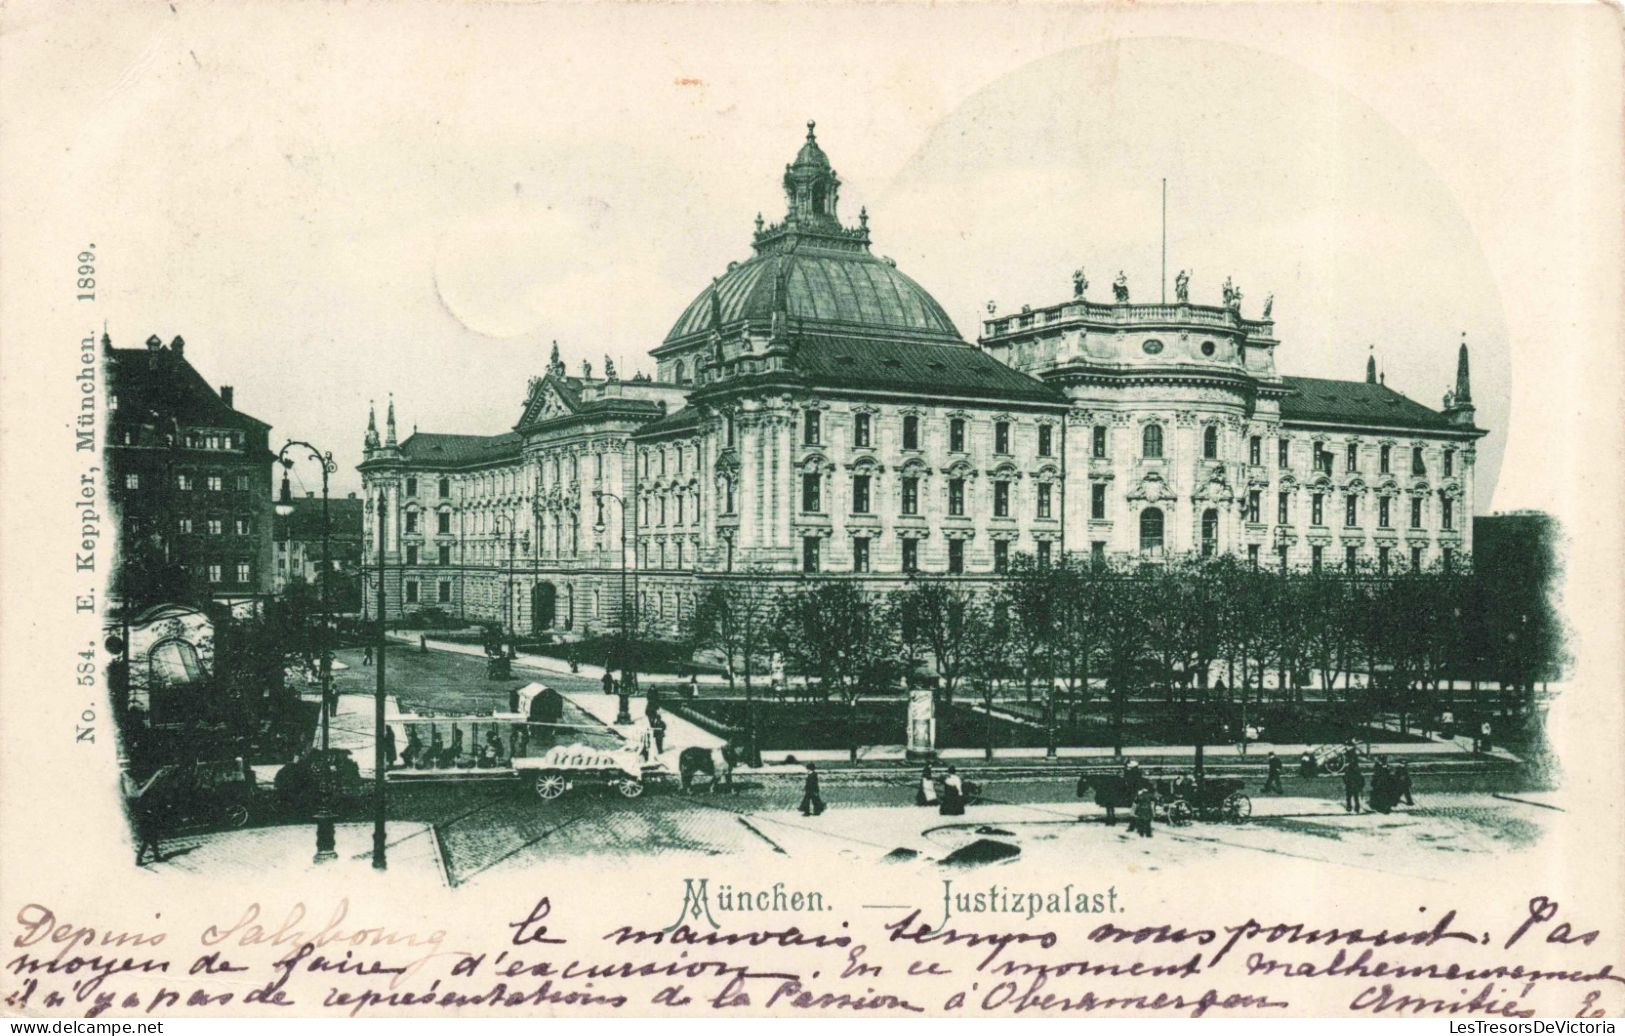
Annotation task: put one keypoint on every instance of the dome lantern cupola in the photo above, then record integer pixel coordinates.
(811, 187)
(812, 193)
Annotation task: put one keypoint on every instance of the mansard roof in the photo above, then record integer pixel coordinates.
(1361, 403)
(937, 370)
(436, 449)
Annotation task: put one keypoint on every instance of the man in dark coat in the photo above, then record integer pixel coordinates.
(1402, 783)
(1353, 784)
(811, 803)
(1272, 782)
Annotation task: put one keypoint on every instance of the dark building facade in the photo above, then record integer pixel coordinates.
(296, 542)
(189, 477)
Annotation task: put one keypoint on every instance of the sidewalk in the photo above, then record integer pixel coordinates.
(290, 849)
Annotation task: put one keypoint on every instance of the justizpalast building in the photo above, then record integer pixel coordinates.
(815, 410)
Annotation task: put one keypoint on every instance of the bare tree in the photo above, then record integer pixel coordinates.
(735, 616)
(940, 617)
(845, 636)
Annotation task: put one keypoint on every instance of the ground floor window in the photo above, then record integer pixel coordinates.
(1151, 531)
(809, 553)
(445, 591)
(911, 554)
(860, 554)
(411, 591)
(956, 556)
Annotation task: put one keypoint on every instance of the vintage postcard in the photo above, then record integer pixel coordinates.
(1074, 510)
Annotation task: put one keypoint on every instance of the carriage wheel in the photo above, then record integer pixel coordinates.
(235, 816)
(629, 788)
(550, 785)
(1179, 812)
(1334, 765)
(1238, 807)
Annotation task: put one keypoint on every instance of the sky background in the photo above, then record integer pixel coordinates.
(355, 205)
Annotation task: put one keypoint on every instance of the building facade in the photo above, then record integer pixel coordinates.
(815, 410)
(189, 477)
(296, 544)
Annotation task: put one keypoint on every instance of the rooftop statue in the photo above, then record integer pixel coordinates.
(1182, 286)
(1080, 283)
(586, 369)
(992, 308)
(1120, 287)
(1269, 304)
(609, 368)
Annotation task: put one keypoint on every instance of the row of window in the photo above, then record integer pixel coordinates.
(812, 433)
(812, 500)
(240, 526)
(812, 554)
(1151, 448)
(213, 483)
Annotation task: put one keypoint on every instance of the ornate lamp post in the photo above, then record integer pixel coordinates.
(380, 760)
(623, 713)
(324, 813)
(509, 523)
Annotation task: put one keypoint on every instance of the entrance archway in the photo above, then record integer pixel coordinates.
(543, 605)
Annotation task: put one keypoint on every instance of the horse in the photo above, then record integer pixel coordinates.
(691, 762)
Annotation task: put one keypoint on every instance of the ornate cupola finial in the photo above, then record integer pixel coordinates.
(555, 365)
(371, 441)
(1371, 366)
(389, 423)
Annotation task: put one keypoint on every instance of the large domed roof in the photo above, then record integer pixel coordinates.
(848, 291)
(820, 274)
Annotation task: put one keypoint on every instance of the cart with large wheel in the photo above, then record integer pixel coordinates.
(1214, 798)
(564, 767)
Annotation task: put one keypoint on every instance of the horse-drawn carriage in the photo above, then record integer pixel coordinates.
(562, 767)
(1176, 800)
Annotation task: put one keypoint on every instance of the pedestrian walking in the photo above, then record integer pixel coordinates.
(953, 795)
(1353, 784)
(812, 804)
(145, 814)
(1402, 783)
(926, 793)
(1144, 808)
(366, 655)
(609, 681)
(389, 746)
(1272, 782)
(693, 686)
(1484, 736)
(657, 725)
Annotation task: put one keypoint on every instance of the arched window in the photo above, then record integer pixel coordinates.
(678, 373)
(1151, 530)
(1210, 442)
(1210, 532)
(1151, 442)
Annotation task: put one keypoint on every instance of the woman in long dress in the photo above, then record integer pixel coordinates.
(926, 794)
(953, 795)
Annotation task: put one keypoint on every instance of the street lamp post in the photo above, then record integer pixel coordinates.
(510, 523)
(380, 760)
(623, 713)
(325, 849)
